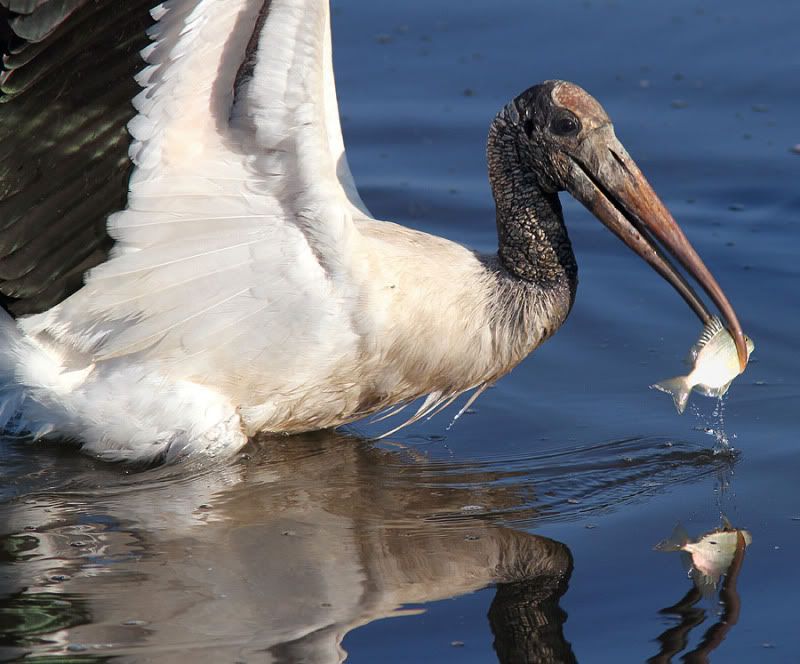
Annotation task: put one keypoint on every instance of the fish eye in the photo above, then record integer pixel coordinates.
(565, 124)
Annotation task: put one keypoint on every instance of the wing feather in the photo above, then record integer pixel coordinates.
(239, 222)
(65, 89)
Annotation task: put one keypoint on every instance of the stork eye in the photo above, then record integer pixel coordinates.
(565, 125)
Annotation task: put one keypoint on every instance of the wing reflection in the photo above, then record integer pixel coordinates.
(280, 554)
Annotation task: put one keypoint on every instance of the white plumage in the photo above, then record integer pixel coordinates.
(249, 289)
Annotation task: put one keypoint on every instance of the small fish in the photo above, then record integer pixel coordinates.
(708, 557)
(715, 365)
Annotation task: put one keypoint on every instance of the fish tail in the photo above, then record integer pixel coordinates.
(676, 541)
(679, 388)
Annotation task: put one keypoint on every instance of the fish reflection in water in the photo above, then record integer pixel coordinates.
(717, 554)
(278, 555)
(708, 557)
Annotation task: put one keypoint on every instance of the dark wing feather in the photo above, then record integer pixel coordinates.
(66, 84)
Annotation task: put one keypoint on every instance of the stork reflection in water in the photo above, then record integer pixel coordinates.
(297, 545)
(240, 284)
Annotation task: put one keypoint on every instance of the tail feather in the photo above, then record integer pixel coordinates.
(679, 388)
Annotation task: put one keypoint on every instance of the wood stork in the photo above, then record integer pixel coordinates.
(239, 284)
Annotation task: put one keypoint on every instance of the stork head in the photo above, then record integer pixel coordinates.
(568, 141)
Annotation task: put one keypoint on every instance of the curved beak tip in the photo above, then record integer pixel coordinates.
(741, 349)
(608, 182)
(611, 186)
(736, 332)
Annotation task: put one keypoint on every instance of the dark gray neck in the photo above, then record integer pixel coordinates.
(533, 241)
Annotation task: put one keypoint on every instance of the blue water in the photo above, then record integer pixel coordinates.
(524, 531)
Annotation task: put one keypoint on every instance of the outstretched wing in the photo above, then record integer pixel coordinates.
(238, 235)
(66, 81)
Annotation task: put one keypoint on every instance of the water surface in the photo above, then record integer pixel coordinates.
(524, 531)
